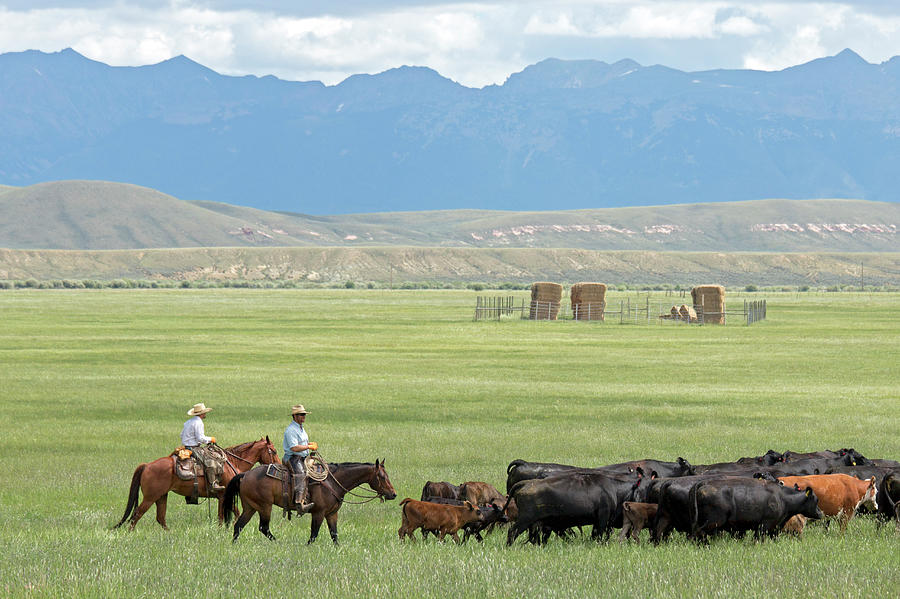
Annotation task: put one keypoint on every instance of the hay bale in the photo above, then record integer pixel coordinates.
(687, 313)
(710, 301)
(588, 301)
(545, 300)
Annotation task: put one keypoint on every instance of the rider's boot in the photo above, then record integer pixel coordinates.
(213, 480)
(300, 501)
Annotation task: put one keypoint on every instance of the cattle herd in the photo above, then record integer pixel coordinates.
(767, 495)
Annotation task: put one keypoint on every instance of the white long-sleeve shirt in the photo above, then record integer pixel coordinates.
(193, 434)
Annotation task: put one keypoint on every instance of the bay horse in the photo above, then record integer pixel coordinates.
(259, 493)
(155, 479)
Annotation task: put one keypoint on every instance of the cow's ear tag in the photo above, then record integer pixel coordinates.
(808, 492)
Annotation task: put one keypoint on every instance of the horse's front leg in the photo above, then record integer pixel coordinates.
(332, 526)
(314, 526)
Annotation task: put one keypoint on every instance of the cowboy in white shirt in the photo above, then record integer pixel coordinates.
(193, 436)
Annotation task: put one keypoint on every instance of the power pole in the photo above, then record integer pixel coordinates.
(862, 279)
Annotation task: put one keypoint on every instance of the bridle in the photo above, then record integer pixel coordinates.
(365, 498)
(271, 452)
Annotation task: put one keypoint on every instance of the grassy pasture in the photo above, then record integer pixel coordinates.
(95, 382)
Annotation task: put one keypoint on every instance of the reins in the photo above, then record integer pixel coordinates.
(317, 469)
(245, 460)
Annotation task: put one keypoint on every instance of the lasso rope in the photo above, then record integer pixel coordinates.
(316, 467)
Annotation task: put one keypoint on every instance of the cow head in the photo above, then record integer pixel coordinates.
(810, 504)
(471, 507)
(869, 500)
(495, 513)
(771, 458)
(684, 468)
(767, 476)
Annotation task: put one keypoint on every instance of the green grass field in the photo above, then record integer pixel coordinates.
(96, 382)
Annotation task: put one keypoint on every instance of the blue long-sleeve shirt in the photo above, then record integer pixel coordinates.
(295, 435)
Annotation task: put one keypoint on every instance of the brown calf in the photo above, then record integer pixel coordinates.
(435, 517)
(839, 494)
(440, 489)
(795, 525)
(635, 516)
(480, 493)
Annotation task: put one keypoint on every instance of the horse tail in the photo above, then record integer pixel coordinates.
(233, 488)
(132, 494)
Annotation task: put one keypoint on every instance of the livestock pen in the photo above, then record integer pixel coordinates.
(627, 310)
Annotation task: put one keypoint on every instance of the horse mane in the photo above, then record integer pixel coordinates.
(339, 465)
(242, 446)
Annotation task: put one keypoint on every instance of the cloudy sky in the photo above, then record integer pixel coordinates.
(474, 43)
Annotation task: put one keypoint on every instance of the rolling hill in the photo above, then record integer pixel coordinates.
(97, 215)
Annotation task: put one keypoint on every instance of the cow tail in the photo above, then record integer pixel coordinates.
(514, 464)
(132, 494)
(231, 491)
(695, 510)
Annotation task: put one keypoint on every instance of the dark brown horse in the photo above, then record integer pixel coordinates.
(157, 478)
(259, 493)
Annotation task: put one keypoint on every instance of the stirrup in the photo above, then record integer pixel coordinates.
(305, 508)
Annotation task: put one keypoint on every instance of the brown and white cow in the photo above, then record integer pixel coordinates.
(435, 517)
(839, 494)
(635, 516)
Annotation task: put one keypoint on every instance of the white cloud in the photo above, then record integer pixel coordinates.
(740, 26)
(473, 43)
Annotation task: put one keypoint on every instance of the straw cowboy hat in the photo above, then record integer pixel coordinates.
(198, 409)
(298, 409)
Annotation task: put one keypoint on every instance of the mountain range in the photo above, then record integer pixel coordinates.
(559, 135)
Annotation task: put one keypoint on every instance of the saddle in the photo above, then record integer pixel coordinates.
(286, 476)
(189, 467)
(186, 466)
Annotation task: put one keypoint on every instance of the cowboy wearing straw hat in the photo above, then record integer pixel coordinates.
(296, 448)
(192, 435)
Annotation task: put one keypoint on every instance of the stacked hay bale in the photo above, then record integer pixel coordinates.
(588, 301)
(687, 313)
(711, 301)
(545, 299)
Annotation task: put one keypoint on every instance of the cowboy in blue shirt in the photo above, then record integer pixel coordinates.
(296, 448)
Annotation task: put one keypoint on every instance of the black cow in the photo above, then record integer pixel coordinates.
(680, 467)
(673, 499)
(740, 504)
(889, 497)
(439, 489)
(492, 513)
(770, 458)
(884, 463)
(567, 500)
(826, 459)
(804, 467)
(519, 470)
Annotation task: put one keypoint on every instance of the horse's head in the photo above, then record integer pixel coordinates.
(268, 454)
(380, 483)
